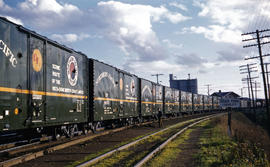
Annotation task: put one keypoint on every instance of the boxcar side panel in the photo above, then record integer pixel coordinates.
(66, 86)
(169, 100)
(106, 92)
(189, 102)
(159, 98)
(131, 94)
(176, 101)
(13, 77)
(147, 98)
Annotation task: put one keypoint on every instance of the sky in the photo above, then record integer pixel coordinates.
(197, 37)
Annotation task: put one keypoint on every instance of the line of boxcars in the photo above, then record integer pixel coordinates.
(53, 89)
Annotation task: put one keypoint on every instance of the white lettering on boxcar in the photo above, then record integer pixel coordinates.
(105, 75)
(56, 74)
(8, 53)
(67, 90)
(146, 87)
(55, 67)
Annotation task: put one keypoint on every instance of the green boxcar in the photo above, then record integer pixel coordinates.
(215, 103)
(189, 102)
(158, 98)
(183, 102)
(207, 103)
(42, 83)
(147, 98)
(114, 92)
(200, 103)
(210, 99)
(176, 101)
(197, 103)
(169, 101)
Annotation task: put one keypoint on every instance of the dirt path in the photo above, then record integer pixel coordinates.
(188, 149)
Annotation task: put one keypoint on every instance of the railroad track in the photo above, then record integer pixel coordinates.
(139, 151)
(32, 151)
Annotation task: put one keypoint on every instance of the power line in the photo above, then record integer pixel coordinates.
(258, 33)
(157, 76)
(208, 88)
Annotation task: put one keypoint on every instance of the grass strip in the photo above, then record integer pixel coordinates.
(172, 150)
(218, 149)
(117, 156)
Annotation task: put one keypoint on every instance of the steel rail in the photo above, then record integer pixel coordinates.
(103, 156)
(159, 148)
(34, 155)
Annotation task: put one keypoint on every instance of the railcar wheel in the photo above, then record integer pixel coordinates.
(56, 134)
(73, 129)
(84, 130)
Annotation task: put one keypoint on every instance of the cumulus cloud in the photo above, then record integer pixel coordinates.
(234, 53)
(69, 38)
(229, 19)
(130, 26)
(178, 5)
(152, 67)
(4, 7)
(190, 60)
(217, 33)
(172, 45)
(233, 14)
(46, 14)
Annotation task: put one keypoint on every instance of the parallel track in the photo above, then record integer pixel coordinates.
(159, 148)
(96, 160)
(32, 151)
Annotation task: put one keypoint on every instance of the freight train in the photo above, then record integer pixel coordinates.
(51, 89)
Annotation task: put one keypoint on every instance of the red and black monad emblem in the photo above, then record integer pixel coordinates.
(72, 71)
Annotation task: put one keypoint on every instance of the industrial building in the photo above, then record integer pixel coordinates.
(187, 85)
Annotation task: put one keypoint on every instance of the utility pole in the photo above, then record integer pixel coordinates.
(259, 44)
(249, 68)
(208, 88)
(248, 88)
(267, 78)
(256, 92)
(157, 76)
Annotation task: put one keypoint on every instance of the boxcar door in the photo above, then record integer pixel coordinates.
(36, 74)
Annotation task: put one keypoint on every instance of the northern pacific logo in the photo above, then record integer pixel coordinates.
(72, 71)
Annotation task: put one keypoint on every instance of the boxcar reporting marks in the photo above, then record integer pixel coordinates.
(8, 53)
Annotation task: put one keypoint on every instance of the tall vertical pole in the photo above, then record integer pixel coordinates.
(156, 75)
(208, 89)
(256, 94)
(267, 78)
(263, 74)
(248, 91)
(251, 88)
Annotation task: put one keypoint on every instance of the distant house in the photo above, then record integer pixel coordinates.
(228, 99)
(230, 95)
